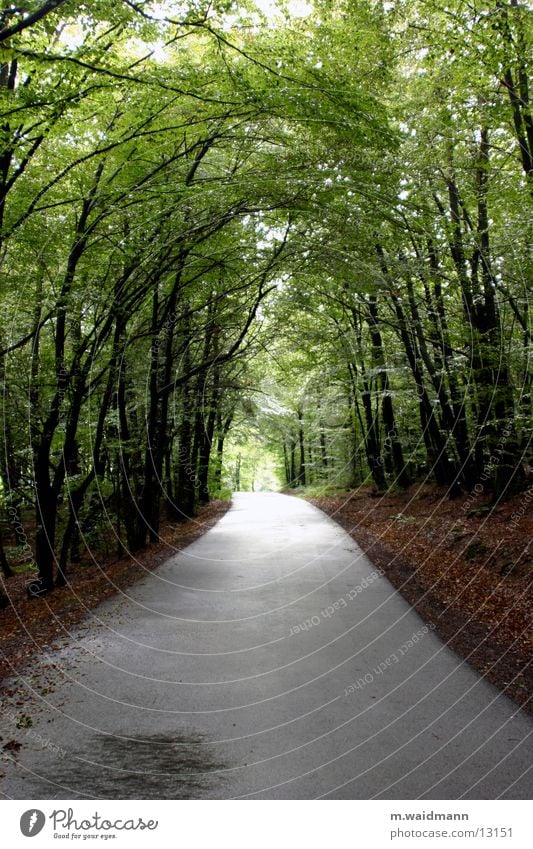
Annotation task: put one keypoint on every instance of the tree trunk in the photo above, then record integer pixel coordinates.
(392, 439)
(4, 565)
(301, 442)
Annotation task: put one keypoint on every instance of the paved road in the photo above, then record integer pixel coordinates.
(267, 660)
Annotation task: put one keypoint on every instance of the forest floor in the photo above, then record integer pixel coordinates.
(28, 626)
(465, 565)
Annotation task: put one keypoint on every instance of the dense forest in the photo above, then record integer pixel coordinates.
(304, 227)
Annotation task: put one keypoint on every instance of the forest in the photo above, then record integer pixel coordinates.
(256, 245)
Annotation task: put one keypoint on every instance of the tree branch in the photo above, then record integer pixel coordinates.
(33, 18)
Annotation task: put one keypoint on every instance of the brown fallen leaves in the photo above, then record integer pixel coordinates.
(27, 626)
(465, 565)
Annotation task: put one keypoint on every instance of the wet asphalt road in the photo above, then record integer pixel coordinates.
(268, 660)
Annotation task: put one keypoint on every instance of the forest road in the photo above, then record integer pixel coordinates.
(267, 660)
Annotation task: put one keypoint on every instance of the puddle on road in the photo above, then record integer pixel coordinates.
(148, 767)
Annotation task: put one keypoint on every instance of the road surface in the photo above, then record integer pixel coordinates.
(268, 660)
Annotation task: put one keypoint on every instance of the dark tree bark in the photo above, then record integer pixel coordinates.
(292, 454)
(222, 429)
(186, 466)
(371, 425)
(301, 443)
(4, 565)
(387, 409)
